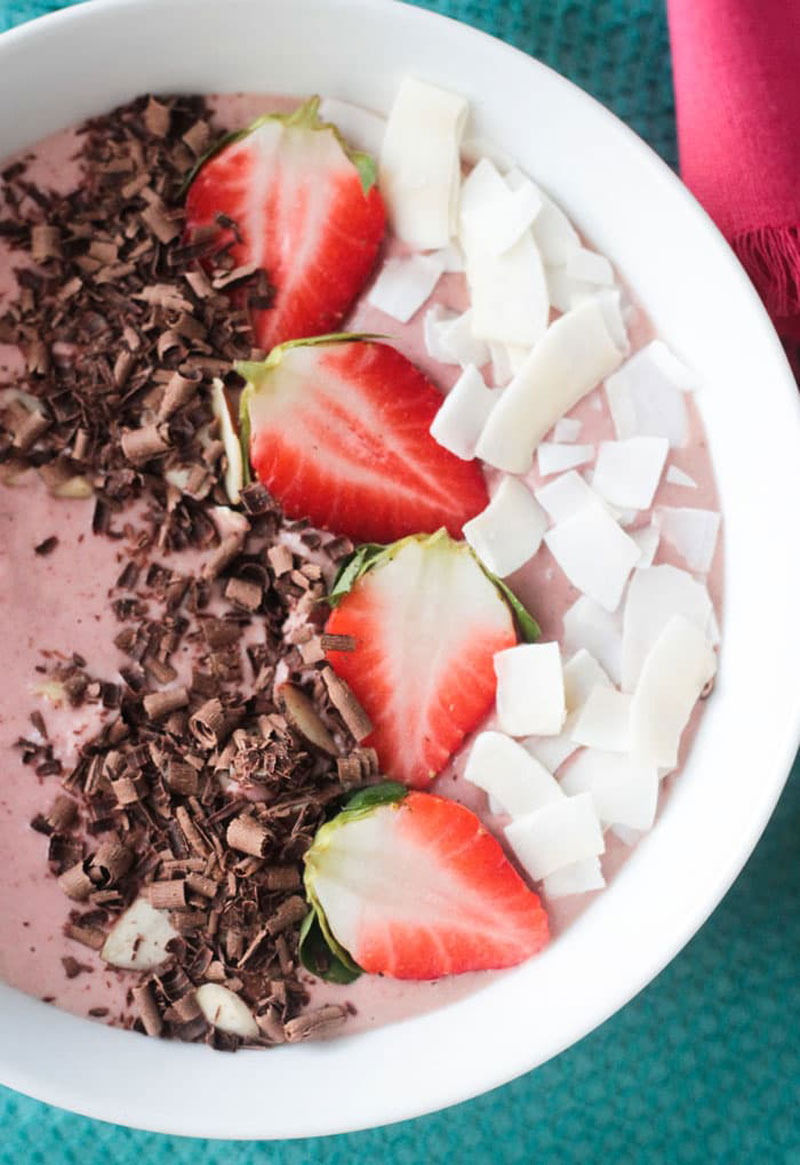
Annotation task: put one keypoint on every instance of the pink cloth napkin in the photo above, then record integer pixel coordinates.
(736, 65)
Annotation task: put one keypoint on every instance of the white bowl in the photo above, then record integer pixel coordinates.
(86, 59)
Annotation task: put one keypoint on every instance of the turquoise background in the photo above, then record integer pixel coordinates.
(704, 1066)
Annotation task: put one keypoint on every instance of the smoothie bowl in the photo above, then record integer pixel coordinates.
(372, 475)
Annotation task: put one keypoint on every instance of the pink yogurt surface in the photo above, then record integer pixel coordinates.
(59, 603)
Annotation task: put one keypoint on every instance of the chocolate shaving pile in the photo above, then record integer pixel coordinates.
(204, 788)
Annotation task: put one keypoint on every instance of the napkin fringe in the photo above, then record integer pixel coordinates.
(771, 257)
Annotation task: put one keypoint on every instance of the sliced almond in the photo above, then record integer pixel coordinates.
(229, 435)
(302, 715)
(138, 940)
(226, 1011)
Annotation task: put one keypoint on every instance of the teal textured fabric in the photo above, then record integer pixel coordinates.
(704, 1066)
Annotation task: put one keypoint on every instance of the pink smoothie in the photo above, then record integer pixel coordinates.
(59, 603)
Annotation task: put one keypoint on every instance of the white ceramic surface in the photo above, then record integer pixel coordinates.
(82, 61)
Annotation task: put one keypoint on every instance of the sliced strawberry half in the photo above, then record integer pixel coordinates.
(427, 621)
(306, 211)
(417, 888)
(339, 433)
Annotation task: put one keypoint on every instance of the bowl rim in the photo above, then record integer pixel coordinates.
(19, 1066)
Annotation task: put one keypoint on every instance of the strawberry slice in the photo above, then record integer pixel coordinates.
(306, 211)
(339, 433)
(427, 620)
(413, 886)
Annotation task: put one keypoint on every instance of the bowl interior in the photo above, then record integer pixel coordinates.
(688, 281)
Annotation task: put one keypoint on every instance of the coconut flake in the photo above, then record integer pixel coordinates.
(594, 553)
(553, 458)
(226, 1011)
(451, 257)
(530, 689)
(677, 668)
(556, 835)
(693, 533)
(627, 472)
(358, 126)
(434, 320)
(420, 167)
(496, 222)
(576, 878)
(138, 939)
(551, 751)
(589, 267)
(645, 399)
(462, 415)
(564, 496)
(655, 596)
(509, 531)
(555, 235)
(474, 148)
(575, 353)
(629, 837)
(509, 774)
(456, 338)
(624, 793)
(676, 476)
(404, 284)
(604, 720)
(587, 625)
(567, 430)
(582, 674)
(647, 539)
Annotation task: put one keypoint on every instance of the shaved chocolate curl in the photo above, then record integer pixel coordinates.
(288, 913)
(168, 895)
(76, 883)
(248, 836)
(88, 936)
(45, 243)
(157, 705)
(149, 1014)
(314, 1023)
(228, 549)
(338, 642)
(142, 445)
(179, 391)
(208, 724)
(348, 707)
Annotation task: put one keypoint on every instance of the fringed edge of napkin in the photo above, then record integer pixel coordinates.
(771, 257)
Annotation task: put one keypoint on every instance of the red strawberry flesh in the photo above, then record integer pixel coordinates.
(301, 214)
(340, 435)
(420, 889)
(427, 625)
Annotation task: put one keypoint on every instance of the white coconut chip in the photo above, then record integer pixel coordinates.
(564, 291)
(510, 775)
(589, 267)
(556, 835)
(502, 370)
(576, 878)
(623, 793)
(604, 720)
(462, 415)
(646, 398)
(498, 221)
(226, 1011)
(555, 235)
(508, 291)
(564, 496)
(574, 355)
(677, 668)
(656, 595)
(509, 531)
(473, 148)
(677, 476)
(594, 553)
(420, 166)
(138, 939)
(434, 320)
(627, 836)
(587, 625)
(551, 751)
(358, 126)
(567, 430)
(530, 689)
(554, 458)
(582, 674)
(451, 256)
(457, 338)
(627, 472)
(647, 539)
(404, 284)
(692, 532)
